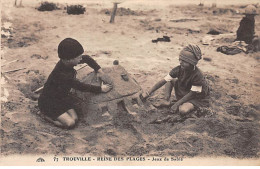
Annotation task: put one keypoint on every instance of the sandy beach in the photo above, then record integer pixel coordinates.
(230, 129)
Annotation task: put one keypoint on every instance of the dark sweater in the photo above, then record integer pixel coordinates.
(246, 30)
(63, 78)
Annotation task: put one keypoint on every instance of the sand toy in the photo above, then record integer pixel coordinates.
(123, 98)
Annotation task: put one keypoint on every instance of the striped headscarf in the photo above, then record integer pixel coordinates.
(191, 54)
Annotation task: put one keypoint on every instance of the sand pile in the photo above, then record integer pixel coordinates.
(98, 108)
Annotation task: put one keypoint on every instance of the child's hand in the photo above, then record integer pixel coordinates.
(174, 108)
(106, 87)
(145, 95)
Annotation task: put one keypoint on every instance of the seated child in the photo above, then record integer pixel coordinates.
(55, 103)
(191, 89)
(246, 30)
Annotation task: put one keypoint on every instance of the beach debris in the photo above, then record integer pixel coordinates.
(234, 110)
(220, 11)
(122, 99)
(113, 13)
(214, 32)
(75, 9)
(163, 39)
(37, 56)
(169, 119)
(6, 77)
(207, 59)
(203, 112)
(22, 41)
(106, 52)
(5, 34)
(233, 96)
(183, 20)
(47, 6)
(14, 70)
(230, 50)
(6, 30)
(123, 12)
(38, 90)
(9, 62)
(20, 4)
(201, 4)
(116, 62)
(194, 30)
(206, 40)
(240, 44)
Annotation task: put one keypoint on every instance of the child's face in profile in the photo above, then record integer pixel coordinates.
(75, 61)
(185, 65)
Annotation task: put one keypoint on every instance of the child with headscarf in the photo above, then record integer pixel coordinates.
(191, 89)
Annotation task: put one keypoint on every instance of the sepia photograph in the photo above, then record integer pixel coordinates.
(130, 82)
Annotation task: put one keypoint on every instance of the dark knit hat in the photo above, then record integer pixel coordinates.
(191, 54)
(69, 48)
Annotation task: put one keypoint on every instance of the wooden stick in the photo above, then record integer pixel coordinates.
(9, 63)
(113, 14)
(38, 90)
(14, 70)
(21, 3)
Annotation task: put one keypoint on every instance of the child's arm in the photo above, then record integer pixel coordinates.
(157, 86)
(173, 74)
(76, 84)
(91, 62)
(154, 88)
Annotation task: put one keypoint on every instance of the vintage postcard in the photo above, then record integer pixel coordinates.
(130, 82)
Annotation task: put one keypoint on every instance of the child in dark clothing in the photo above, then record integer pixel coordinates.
(55, 103)
(191, 89)
(246, 30)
